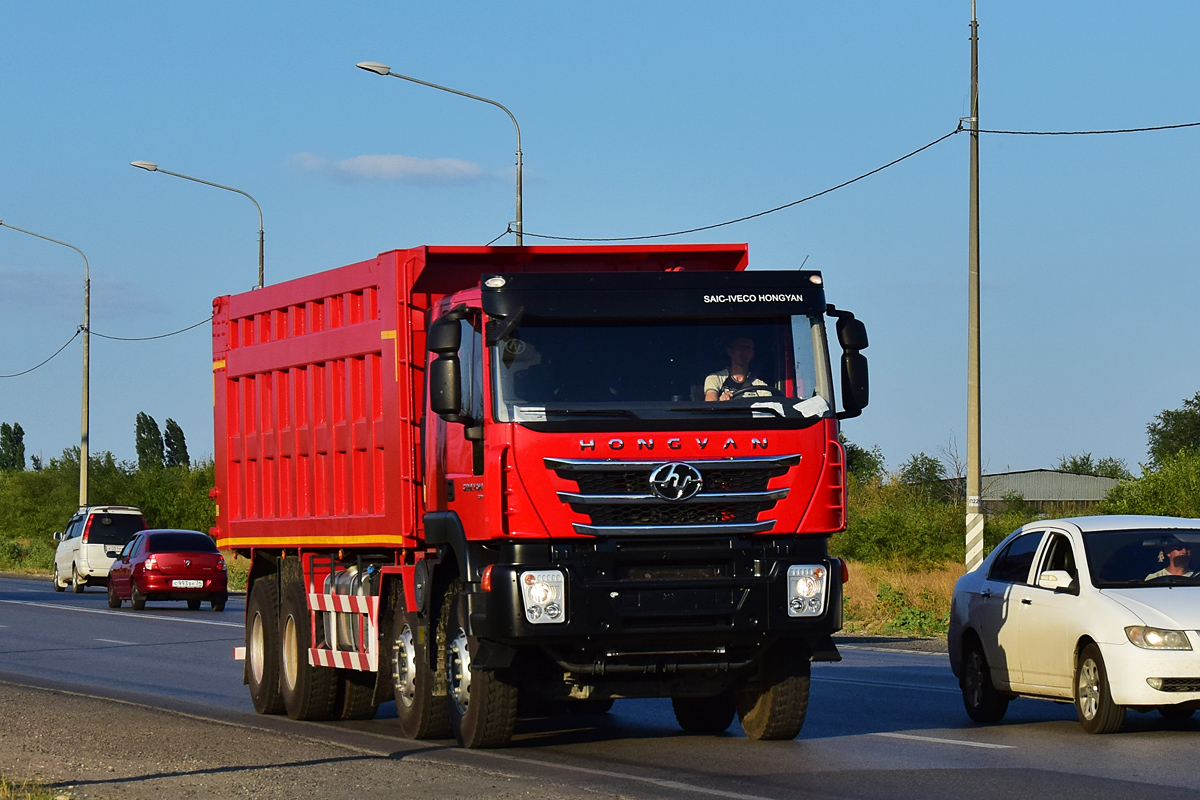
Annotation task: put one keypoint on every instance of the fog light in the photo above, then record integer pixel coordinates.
(544, 595)
(1155, 683)
(806, 590)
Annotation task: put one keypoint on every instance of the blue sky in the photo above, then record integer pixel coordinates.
(636, 118)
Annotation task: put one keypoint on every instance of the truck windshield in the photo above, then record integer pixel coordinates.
(758, 367)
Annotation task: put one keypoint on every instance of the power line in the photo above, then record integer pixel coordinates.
(47, 361)
(1096, 133)
(148, 338)
(892, 163)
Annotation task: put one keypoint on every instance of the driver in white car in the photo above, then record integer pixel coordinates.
(738, 380)
(1176, 556)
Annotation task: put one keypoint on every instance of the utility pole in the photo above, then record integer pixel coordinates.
(974, 477)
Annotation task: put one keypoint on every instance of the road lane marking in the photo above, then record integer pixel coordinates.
(604, 773)
(887, 685)
(916, 738)
(125, 614)
(890, 650)
(114, 641)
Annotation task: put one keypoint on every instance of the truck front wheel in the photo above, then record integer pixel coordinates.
(704, 714)
(420, 708)
(773, 698)
(482, 702)
(309, 692)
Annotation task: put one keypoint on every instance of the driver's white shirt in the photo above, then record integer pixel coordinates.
(714, 382)
(1163, 573)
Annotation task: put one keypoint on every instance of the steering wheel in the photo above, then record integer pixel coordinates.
(745, 390)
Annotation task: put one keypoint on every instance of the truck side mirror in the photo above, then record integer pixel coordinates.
(445, 387)
(856, 391)
(445, 334)
(852, 335)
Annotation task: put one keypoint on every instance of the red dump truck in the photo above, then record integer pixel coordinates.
(484, 481)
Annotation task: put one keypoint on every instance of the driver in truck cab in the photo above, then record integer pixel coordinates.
(737, 380)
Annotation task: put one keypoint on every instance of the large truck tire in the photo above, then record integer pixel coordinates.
(773, 698)
(262, 646)
(356, 695)
(309, 692)
(482, 702)
(705, 714)
(421, 705)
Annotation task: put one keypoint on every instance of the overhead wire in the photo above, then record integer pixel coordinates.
(78, 331)
(148, 338)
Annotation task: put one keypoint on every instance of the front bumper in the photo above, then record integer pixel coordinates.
(704, 602)
(1128, 668)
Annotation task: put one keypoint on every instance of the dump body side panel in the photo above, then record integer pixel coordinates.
(316, 386)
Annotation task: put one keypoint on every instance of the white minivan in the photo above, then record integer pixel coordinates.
(90, 544)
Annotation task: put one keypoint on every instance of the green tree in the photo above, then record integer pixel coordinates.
(924, 474)
(12, 447)
(1175, 431)
(1084, 464)
(862, 463)
(148, 442)
(176, 445)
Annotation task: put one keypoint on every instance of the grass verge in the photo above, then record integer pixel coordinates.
(24, 790)
(891, 599)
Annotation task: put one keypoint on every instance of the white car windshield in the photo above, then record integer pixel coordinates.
(1143, 557)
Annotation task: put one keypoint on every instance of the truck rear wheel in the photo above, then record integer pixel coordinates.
(773, 698)
(356, 695)
(262, 646)
(309, 692)
(482, 702)
(420, 695)
(705, 714)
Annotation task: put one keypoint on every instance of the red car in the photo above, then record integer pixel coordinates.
(169, 565)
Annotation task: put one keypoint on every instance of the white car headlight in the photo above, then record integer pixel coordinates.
(1157, 638)
(545, 596)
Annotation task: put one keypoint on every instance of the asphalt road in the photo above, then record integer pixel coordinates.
(882, 723)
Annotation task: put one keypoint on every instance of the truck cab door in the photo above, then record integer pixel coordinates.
(463, 441)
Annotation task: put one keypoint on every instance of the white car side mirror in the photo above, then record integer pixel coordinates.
(58, 536)
(1057, 579)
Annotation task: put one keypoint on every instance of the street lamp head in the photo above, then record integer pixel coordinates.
(149, 166)
(374, 66)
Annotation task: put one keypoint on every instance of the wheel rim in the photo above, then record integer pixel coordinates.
(1089, 689)
(973, 679)
(404, 667)
(458, 670)
(56, 580)
(258, 649)
(291, 659)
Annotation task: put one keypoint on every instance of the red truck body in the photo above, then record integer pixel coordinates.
(444, 554)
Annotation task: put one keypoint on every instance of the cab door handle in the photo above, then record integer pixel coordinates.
(985, 593)
(1026, 601)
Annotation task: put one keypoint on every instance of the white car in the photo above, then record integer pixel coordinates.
(1102, 611)
(89, 545)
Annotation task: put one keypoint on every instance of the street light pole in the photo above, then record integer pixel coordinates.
(150, 166)
(974, 522)
(384, 69)
(87, 328)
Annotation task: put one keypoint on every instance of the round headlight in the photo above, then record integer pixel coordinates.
(806, 586)
(541, 593)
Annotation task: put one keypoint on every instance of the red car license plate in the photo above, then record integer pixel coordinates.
(187, 584)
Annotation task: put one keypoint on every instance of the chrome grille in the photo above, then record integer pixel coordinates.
(617, 497)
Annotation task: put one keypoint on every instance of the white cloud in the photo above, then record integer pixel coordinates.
(394, 169)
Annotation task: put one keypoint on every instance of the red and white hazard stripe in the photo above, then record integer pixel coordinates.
(366, 660)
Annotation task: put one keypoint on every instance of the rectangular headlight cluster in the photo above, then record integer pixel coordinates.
(545, 595)
(806, 589)
(1157, 638)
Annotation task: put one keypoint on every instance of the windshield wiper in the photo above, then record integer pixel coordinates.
(728, 410)
(592, 412)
